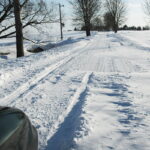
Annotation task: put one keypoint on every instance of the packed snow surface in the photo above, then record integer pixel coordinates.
(86, 94)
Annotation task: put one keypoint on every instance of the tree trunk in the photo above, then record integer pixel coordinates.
(88, 33)
(19, 32)
(115, 28)
(88, 30)
(116, 31)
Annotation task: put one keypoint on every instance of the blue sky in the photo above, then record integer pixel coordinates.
(135, 13)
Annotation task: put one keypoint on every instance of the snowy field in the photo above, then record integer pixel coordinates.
(8, 46)
(86, 93)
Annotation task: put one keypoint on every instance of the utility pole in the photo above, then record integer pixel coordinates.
(61, 24)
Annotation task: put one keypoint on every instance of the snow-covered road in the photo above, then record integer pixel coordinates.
(92, 94)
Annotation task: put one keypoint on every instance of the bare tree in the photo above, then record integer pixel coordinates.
(108, 21)
(117, 11)
(33, 13)
(85, 11)
(147, 7)
(97, 24)
(18, 25)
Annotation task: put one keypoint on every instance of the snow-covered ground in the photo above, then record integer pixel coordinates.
(86, 94)
(8, 46)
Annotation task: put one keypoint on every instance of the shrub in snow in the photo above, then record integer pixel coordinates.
(35, 49)
(3, 54)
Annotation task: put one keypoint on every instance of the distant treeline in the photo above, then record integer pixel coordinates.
(139, 28)
(105, 28)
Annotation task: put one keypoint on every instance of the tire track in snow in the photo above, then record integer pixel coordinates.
(32, 83)
(61, 138)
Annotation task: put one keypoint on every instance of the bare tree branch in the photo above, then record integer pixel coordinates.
(147, 7)
(33, 13)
